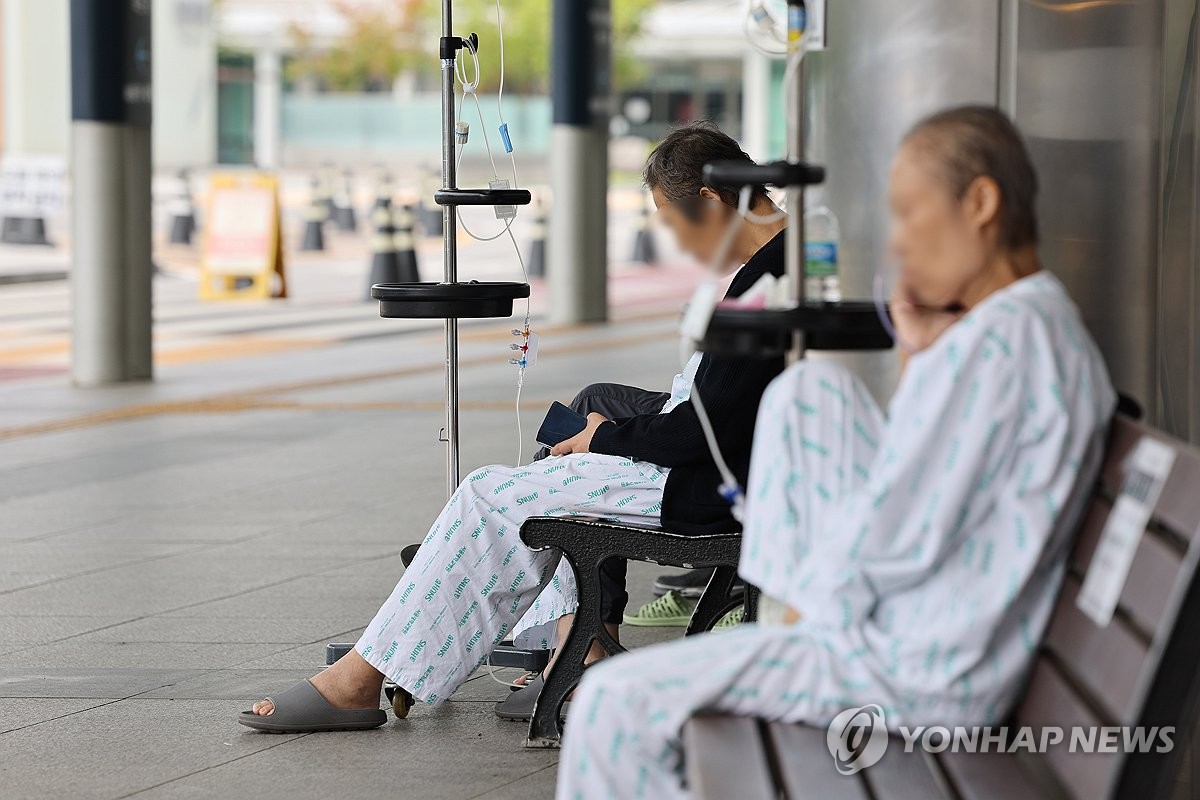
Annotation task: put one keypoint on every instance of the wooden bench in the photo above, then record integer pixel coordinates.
(1141, 669)
(586, 543)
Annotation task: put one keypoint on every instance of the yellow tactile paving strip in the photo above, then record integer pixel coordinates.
(267, 398)
(60, 350)
(35, 353)
(56, 352)
(235, 348)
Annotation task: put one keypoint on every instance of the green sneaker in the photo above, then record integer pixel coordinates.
(731, 620)
(672, 610)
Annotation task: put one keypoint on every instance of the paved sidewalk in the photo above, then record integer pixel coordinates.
(171, 552)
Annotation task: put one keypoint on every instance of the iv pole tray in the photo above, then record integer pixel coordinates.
(844, 325)
(470, 300)
(482, 197)
(777, 173)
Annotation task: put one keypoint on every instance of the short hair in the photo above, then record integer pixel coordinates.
(676, 166)
(970, 142)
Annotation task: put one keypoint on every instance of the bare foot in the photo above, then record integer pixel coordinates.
(351, 683)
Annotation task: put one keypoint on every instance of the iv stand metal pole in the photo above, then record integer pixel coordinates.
(450, 254)
(794, 238)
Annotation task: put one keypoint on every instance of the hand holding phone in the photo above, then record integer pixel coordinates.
(560, 424)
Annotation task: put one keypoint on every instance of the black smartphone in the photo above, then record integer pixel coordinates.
(561, 423)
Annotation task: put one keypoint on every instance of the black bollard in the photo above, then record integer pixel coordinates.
(183, 213)
(383, 191)
(343, 206)
(23, 230)
(431, 219)
(644, 249)
(403, 220)
(536, 265)
(323, 186)
(385, 266)
(314, 220)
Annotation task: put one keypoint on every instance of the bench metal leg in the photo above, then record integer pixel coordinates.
(719, 599)
(750, 599)
(544, 728)
(585, 546)
(716, 602)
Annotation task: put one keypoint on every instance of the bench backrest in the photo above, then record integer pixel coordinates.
(1141, 669)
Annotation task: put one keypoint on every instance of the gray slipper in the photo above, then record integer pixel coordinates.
(519, 705)
(302, 709)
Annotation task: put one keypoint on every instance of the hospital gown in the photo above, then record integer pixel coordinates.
(473, 579)
(538, 629)
(923, 551)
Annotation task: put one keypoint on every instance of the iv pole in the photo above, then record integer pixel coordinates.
(813, 323)
(451, 300)
(794, 193)
(449, 252)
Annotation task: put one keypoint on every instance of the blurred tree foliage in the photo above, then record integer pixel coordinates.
(384, 41)
(381, 41)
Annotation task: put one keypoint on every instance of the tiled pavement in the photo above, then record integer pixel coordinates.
(193, 547)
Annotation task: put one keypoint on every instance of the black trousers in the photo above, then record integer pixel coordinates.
(614, 400)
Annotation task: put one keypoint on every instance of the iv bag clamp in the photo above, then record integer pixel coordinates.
(448, 46)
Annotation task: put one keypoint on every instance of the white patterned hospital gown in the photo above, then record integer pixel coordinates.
(537, 630)
(473, 579)
(924, 550)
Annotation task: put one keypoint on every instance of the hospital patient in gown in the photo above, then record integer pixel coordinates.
(473, 579)
(914, 555)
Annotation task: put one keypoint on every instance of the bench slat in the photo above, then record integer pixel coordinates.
(991, 776)
(1152, 575)
(1094, 517)
(726, 759)
(1050, 700)
(1151, 581)
(1178, 507)
(1106, 661)
(1084, 677)
(808, 770)
(904, 776)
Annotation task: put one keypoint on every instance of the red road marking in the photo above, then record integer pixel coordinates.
(18, 373)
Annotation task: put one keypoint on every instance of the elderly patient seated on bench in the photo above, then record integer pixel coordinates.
(473, 580)
(914, 559)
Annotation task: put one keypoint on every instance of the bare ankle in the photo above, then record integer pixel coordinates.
(350, 682)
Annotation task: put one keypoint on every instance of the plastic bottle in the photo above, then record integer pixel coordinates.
(821, 255)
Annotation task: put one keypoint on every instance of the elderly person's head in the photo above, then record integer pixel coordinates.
(697, 213)
(962, 199)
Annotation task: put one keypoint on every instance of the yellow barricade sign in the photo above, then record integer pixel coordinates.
(242, 249)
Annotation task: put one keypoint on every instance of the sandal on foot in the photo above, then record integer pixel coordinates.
(519, 705)
(672, 610)
(521, 681)
(731, 619)
(409, 553)
(302, 709)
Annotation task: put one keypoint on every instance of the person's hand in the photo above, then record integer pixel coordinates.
(582, 441)
(918, 326)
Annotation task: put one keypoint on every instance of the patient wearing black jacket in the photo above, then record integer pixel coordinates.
(641, 457)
